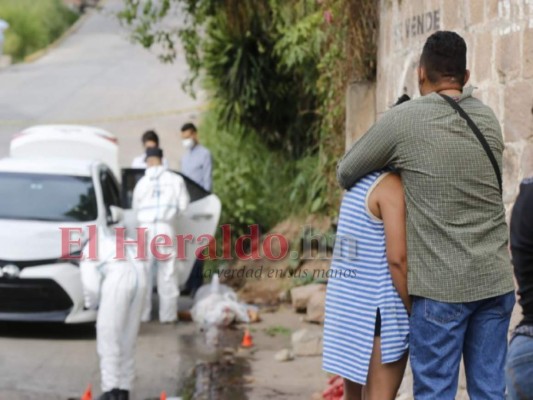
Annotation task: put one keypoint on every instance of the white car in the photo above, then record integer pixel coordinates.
(68, 177)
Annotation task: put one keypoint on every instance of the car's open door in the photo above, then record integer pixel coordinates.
(200, 218)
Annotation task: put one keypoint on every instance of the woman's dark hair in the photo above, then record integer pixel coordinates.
(150, 136)
(188, 126)
(444, 56)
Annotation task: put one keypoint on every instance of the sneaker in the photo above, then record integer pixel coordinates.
(111, 395)
(123, 395)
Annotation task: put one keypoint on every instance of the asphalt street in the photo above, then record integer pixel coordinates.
(96, 76)
(57, 362)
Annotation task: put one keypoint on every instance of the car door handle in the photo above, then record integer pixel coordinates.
(197, 217)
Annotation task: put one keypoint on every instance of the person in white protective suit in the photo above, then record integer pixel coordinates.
(116, 287)
(158, 198)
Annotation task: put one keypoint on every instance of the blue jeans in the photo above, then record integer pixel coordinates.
(440, 333)
(519, 368)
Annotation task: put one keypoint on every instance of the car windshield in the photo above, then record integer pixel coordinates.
(47, 197)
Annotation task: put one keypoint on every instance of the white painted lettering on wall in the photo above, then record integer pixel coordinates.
(416, 25)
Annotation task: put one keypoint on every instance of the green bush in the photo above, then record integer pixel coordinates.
(33, 24)
(248, 177)
(255, 184)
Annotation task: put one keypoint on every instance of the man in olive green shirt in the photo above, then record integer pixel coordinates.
(459, 269)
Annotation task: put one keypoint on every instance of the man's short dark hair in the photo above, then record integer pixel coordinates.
(150, 136)
(188, 126)
(154, 152)
(444, 57)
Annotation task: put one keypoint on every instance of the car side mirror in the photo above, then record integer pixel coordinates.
(115, 215)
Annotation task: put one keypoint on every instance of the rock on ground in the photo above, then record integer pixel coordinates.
(298, 379)
(307, 342)
(301, 295)
(284, 355)
(316, 307)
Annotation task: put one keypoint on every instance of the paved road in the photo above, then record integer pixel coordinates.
(98, 77)
(56, 362)
(95, 76)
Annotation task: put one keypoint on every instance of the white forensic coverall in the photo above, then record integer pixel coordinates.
(117, 288)
(158, 198)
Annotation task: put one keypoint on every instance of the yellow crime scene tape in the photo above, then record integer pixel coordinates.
(124, 118)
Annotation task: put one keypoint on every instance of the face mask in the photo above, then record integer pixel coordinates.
(187, 143)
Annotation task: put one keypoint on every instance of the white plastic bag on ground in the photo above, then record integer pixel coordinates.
(214, 287)
(216, 305)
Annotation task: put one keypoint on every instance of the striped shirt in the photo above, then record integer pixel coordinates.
(456, 231)
(359, 284)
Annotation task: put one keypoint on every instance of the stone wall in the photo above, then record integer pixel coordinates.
(499, 36)
(361, 98)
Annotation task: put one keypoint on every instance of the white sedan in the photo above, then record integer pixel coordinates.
(61, 177)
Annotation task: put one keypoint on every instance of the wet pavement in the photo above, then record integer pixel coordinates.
(57, 362)
(223, 375)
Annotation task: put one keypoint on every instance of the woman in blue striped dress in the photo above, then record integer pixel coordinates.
(366, 325)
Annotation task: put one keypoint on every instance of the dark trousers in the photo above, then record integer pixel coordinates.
(196, 278)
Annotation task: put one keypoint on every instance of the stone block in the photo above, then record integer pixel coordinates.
(527, 161)
(301, 295)
(284, 355)
(482, 54)
(316, 308)
(518, 116)
(528, 54)
(508, 56)
(493, 99)
(307, 342)
(453, 15)
(491, 8)
(476, 12)
(360, 110)
(511, 172)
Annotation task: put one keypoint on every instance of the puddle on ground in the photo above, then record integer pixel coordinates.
(221, 373)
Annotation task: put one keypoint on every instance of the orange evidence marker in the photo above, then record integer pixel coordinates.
(87, 395)
(163, 395)
(247, 339)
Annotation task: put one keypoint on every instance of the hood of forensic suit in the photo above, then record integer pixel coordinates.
(155, 172)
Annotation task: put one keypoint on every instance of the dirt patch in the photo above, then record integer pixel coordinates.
(265, 281)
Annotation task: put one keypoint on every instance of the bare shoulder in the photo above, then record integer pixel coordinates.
(391, 187)
(392, 179)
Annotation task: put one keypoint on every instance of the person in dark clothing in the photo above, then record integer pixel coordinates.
(196, 164)
(519, 368)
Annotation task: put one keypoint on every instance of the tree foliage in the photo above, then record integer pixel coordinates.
(274, 69)
(33, 25)
(253, 55)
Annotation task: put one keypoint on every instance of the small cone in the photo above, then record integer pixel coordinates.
(247, 339)
(87, 395)
(163, 395)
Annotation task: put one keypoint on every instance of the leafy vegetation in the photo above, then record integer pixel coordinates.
(277, 330)
(276, 72)
(33, 24)
(248, 178)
